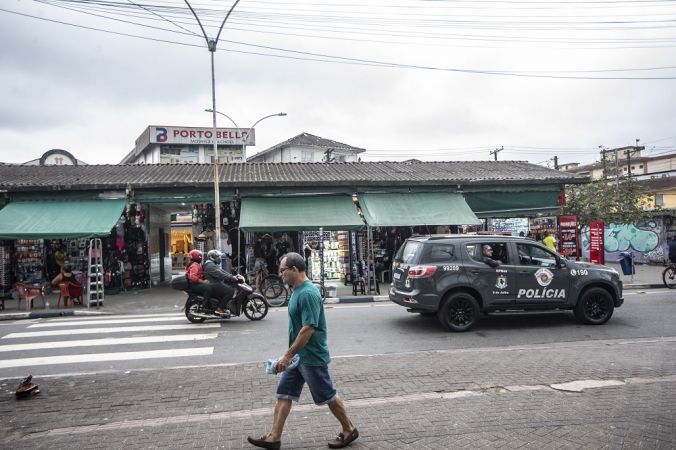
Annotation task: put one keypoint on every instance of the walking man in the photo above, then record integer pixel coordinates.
(307, 339)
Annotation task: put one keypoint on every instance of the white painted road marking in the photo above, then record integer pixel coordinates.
(110, 330)
(98, 322)
(106, 341)
(97, 357)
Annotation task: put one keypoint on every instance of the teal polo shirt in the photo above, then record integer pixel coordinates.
(306, 308)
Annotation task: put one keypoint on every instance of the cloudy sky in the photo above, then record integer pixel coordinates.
(428, 79)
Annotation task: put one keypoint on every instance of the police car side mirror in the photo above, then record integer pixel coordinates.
(560, 263)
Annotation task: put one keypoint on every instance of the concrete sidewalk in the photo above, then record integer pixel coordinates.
(613, 394)
(162, 299)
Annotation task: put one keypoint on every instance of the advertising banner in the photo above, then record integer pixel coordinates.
(596, 249)
(568, 237)
(194, 136)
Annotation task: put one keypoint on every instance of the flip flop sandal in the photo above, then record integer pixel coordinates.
(342, 441)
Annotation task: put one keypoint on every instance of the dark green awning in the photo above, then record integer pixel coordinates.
(187, 196)
(303, 213)
(509, 204)
(433, 208)
(59, 220)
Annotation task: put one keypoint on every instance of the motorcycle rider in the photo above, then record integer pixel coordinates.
(195, 274)
(219, 280)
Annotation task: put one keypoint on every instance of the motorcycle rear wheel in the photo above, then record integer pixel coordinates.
(190, 309)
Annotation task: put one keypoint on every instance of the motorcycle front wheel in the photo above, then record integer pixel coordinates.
(190, 309)
(256, 308)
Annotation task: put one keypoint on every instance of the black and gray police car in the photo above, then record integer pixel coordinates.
(452, 277)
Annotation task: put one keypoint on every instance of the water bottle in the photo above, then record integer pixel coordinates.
(47, 304)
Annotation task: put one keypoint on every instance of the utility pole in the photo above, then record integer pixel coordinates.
(497, 150)
(556, 163)
(629, 152)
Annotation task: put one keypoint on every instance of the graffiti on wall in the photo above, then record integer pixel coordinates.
(644, 239)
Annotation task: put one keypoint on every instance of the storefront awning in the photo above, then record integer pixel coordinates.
(181, 196)
(59, 220)
(510, 204)
(303, 213)
(434, 208)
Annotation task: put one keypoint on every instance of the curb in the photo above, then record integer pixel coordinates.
(48, 314)
(643, 286)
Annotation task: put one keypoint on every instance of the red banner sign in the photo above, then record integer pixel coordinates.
(596, 250)
(568, 237)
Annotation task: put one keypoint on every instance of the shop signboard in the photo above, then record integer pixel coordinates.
(596, 249)
(194, 136)
(568, 237)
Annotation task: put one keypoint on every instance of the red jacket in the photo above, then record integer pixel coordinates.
(194, 272)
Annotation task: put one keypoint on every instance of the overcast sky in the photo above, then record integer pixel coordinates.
(432, 80)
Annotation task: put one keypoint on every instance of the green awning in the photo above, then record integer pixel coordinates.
(186, 196)
(59, 220)
(508, 204)
(433, 208)
(303, 213)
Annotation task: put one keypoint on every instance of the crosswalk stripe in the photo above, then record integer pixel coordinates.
(98, 322)
(106, 341)
(113, 317)
(110, 330)
(98, 357)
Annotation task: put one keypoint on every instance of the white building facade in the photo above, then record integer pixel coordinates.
(307, 148)
(185, 145)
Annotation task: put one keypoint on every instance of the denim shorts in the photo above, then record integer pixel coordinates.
(317, 378)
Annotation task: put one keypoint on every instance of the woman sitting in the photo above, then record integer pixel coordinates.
(67, 276)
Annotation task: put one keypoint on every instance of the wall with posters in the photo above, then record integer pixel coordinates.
(646, 239)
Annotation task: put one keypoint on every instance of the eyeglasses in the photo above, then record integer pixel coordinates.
(282, 269)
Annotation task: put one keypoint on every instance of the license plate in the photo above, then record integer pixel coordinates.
(397, 275)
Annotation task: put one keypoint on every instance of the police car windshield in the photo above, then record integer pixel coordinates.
(408, 251)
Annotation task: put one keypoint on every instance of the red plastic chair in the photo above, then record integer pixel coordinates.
(65, 295)
(28, 293)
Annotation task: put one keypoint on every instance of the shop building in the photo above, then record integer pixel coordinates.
(147, 216)
(190, 145)
(307, 148)
(55, 157)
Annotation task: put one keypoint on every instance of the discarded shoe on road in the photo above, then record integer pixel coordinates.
(27, 388)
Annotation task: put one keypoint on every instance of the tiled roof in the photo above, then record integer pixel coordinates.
(17, 178)
(658, 185)
(309, 140)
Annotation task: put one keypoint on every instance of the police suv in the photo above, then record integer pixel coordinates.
(452, 277)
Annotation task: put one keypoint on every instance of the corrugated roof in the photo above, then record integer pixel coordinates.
(309, 140)
(16, 178)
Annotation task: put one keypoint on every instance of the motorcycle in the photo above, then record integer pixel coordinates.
(244, 300)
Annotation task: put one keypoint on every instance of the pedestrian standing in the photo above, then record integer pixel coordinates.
(549, 241)
(307, 339)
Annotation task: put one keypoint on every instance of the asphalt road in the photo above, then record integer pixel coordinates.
(123, 343)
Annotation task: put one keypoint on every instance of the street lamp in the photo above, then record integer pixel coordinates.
(211, 45)
(250, 128)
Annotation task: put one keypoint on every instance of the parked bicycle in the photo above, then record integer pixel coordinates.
(271, 286)
(669, 275)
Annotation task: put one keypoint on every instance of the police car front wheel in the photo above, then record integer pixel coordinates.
(595, 307)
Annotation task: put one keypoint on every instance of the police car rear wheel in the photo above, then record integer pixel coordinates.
(595, 307)
(459, 312)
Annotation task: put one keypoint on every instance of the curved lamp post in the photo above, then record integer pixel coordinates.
(250, 128)
(218, 206)
(211, 45)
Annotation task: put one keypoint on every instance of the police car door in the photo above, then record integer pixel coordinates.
(539, 280)
(497, 285)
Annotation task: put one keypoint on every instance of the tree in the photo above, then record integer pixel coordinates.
(608, 201)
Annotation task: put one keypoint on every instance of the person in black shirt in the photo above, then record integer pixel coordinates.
(487, 256)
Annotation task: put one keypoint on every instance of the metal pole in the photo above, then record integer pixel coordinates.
(217, 194)
(321, 257)
(617, 179)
